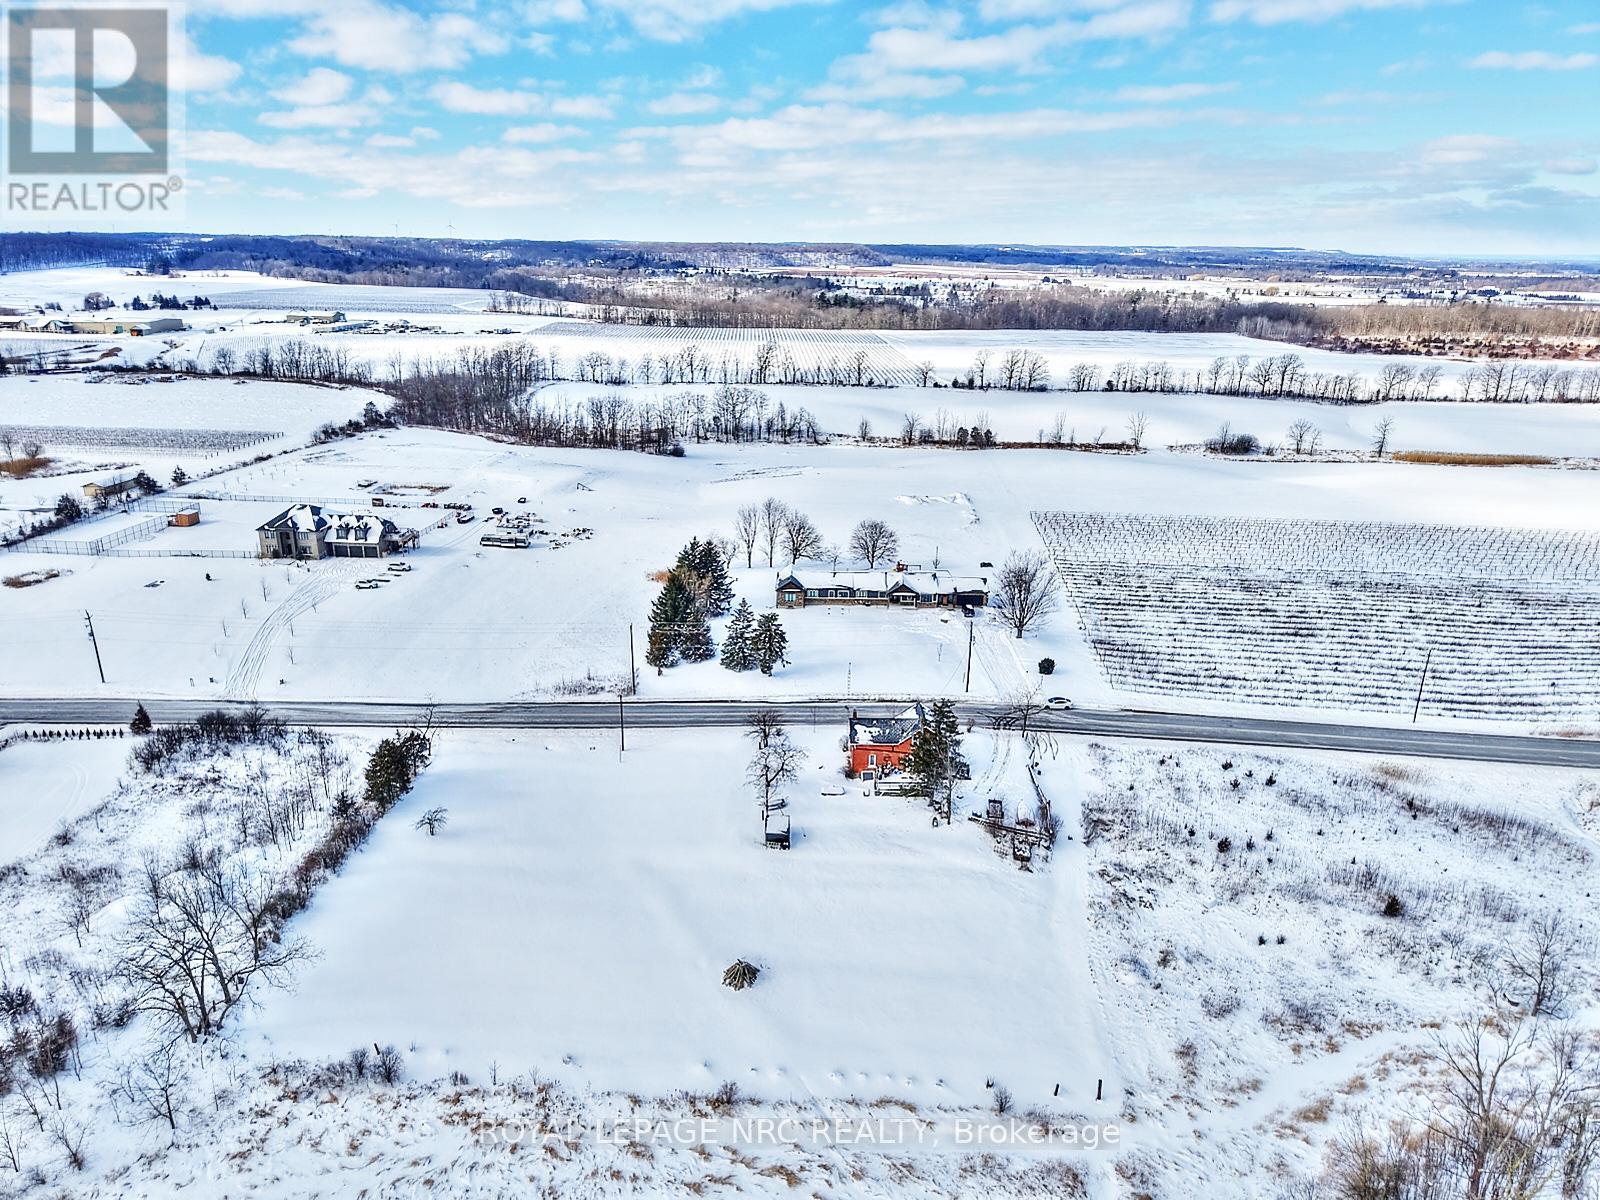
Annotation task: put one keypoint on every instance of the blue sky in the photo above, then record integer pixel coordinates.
(1421, 126)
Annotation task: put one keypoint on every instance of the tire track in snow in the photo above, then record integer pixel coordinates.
(245, 676)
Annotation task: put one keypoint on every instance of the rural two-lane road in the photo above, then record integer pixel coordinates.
(674, 714)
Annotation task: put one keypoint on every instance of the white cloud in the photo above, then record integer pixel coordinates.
(804, 127)
(457, 97)
(319, 116)
(321, 85)
(1171, 93)
(940, 47)
(1465, 148)
(375, 36)
(1532, 60)
(542, 134)
(680, 104)
(198, 72)
(390, 141)
(1572, 166)
(1277, 12)
(662, 20)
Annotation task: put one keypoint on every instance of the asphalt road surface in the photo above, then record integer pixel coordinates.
(678, 714)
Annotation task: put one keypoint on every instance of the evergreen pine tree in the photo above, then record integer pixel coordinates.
(389, 775)
(696, 644)
(713, 572)
(670, 617)
(179, 477)
(935, 757)
(661, 648)
(141, 721)
(769, 643)
(737, 653)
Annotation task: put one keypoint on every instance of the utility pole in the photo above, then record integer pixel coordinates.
(967, 687)
(99, 666)
(622, 724)
(633, 670)
(1422, 683)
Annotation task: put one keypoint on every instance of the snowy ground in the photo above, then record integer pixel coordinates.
(98, 425)
(475, 623)
(554, 955)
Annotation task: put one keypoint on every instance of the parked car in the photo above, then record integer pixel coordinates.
(463, 517)
(1058, 703)
(399, 566)
(522, 499)
(499, 512)
(364, 584)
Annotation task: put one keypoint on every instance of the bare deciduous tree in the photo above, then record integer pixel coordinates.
(154, 1086)
(433, 820)
(774, 516)
(197, 940)
(773, 765)
(801, 539)
(1138, 426)
(1380, 436)
(873, 542)
(1303, 437)
(747, 530)
(1539, 967)
(1026, 591)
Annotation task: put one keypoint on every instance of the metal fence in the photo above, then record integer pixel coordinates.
(343, 502)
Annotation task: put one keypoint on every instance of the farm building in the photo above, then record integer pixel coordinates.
(876, 747)
(910, 589)
(134, 328)
(314, 318)
(108, 488)
(310, 531)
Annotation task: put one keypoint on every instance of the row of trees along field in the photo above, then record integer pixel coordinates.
(493, 390)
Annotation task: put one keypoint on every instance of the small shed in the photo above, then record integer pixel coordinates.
(777, 831)
(185, 517)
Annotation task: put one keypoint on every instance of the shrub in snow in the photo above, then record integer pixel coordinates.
(1002, 1100)
(1393, 906)
(740, 975)
(387, 1066)
(141, 720)
(1047, 666)
(433, 820)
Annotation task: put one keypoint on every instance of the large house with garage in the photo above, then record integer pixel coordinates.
(895, 589)
(311, 531)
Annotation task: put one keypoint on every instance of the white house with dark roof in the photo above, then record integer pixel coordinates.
(311, 531)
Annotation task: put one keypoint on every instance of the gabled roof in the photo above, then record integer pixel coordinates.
(359, 527)
(301, 518)
(924, 583)
(888, 731)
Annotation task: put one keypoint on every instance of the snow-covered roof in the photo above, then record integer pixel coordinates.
(887, 731)
(302, 518)
(923, 582)
(358, 527)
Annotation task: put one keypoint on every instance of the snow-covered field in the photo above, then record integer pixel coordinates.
(1211, 948)
(470, 622)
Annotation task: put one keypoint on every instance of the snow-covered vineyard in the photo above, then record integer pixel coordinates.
(1448, 621)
